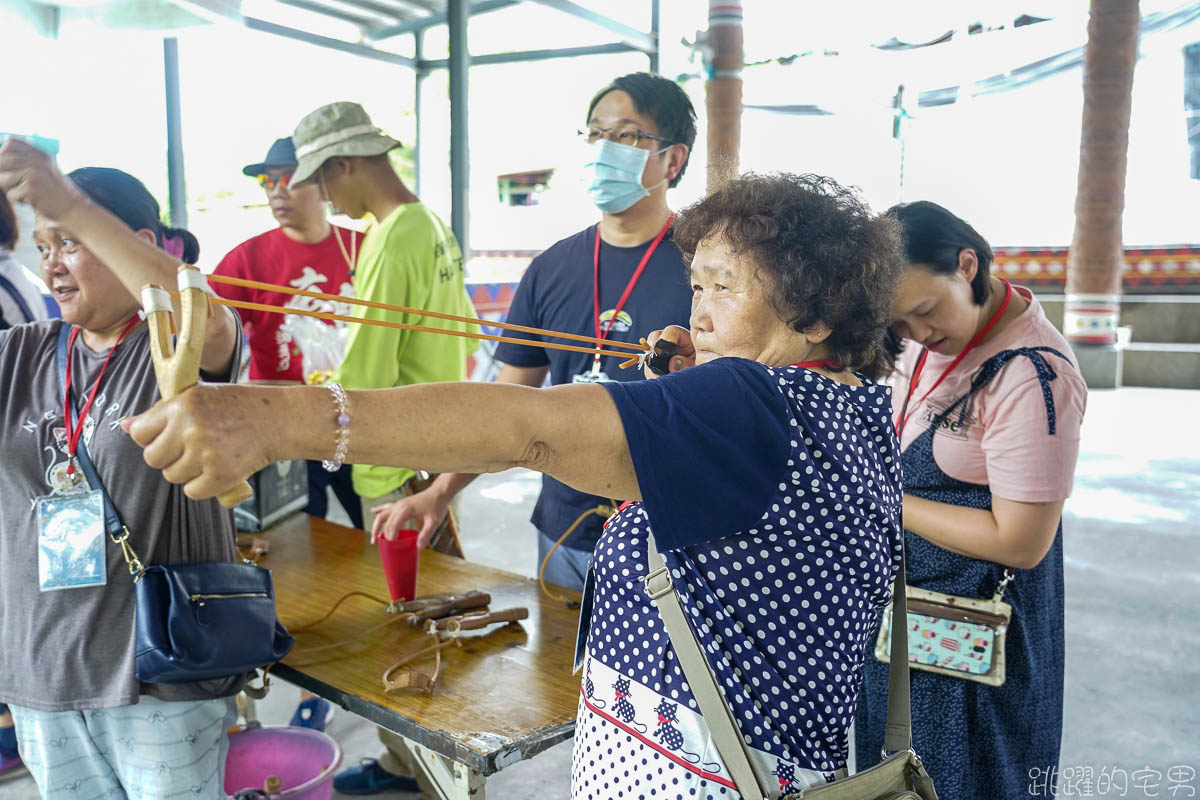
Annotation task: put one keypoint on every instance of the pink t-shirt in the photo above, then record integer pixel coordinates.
(1003, 441)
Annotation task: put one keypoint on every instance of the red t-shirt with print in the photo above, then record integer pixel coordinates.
(273, 257)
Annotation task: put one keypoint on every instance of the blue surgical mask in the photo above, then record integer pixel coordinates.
(616, 175)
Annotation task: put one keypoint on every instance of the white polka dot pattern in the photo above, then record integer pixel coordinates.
(785, 612)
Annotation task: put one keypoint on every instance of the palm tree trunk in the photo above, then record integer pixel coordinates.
(723, 92)
(1097, 257)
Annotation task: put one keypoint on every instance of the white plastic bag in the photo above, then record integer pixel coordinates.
(323, 345)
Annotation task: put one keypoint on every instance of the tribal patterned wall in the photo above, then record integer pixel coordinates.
(1148, 270)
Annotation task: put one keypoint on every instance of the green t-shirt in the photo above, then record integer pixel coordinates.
(409, 259)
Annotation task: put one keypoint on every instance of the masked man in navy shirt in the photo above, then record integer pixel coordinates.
(619, 279)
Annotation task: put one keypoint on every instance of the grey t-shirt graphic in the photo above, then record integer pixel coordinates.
(73, 649)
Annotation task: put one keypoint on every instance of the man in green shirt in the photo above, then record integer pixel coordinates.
(410, 258)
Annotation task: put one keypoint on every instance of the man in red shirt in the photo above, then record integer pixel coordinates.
(304, 252)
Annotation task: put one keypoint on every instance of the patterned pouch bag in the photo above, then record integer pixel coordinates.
(962, 637)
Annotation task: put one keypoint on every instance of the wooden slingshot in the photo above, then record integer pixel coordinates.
(444, 632)
(177, 364)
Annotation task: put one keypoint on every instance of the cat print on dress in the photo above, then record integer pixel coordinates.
(589, 688)
(672, 739)
(623, 705)
(786, 773)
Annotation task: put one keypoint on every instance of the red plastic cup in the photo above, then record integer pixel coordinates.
(400, 564)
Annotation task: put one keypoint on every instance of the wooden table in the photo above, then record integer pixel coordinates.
(506, 695)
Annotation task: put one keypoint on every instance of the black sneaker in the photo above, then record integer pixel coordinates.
(370, 778)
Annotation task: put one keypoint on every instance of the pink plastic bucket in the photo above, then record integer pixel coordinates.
(400, 564)
(305, 761)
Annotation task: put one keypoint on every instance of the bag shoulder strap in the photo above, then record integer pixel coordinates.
(112, 520)
(721, 725)
(15, 293)
(898, 729)
(730, 743)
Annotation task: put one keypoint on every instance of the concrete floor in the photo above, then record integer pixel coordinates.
(1132, 547)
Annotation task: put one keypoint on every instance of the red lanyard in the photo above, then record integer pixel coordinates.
(912, 386)
(75, 431)
(637, 273)
(818, 365)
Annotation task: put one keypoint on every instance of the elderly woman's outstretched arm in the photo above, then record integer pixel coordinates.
(211, 438)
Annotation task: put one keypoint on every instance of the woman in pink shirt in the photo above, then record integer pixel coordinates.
(988, 402)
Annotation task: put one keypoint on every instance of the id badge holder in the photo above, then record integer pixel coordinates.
(585, 619)
(594, 375)
(71, 541)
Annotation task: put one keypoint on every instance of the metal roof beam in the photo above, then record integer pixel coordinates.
(329, 11)
(635, 39)
(420, 24)
(332, 44)
(536, 55)
(414, 9)
(383, 10)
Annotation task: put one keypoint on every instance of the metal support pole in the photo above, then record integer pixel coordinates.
(176, 186)
(419, 81)
(898, 131)
(654, 22)
(1191, 104)
(459, 13)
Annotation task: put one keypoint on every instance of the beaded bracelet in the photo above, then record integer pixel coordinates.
(342, 420)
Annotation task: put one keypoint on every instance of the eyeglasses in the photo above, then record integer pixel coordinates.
(626, 136)
(269, 182)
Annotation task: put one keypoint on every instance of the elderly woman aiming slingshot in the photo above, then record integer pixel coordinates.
(764, 466)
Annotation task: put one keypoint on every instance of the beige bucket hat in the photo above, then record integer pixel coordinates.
(338, 129)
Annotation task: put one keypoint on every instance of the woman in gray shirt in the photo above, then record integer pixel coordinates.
(86, 726)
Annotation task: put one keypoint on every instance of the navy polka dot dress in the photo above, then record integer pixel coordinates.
(782, 583)
(977, 740)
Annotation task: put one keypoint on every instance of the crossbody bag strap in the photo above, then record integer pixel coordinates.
(721, 725)
(898, 730)
(17, 298)
(112, 520)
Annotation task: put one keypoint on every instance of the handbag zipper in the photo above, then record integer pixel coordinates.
(956, 614)
(201, 599)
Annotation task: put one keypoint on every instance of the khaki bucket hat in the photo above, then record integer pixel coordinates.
(338, 129)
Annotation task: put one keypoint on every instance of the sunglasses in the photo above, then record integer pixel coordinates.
(269, 182)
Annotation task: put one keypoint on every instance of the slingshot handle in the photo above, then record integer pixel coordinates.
(234, 497)
(177, 364)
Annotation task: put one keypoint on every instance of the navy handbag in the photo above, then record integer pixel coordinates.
(193, 622)
(205, 620)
